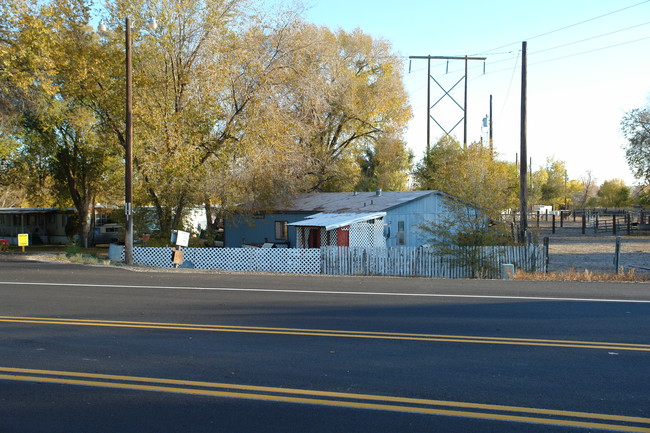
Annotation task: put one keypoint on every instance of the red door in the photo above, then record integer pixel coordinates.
(314, 238)
(343, 236)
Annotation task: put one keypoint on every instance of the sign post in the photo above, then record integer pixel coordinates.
(180, 239)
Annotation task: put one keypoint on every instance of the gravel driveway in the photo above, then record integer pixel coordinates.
(569, 248)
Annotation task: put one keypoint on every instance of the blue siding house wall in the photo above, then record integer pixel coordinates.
(405, 211)
(248, 230)
(409, 216)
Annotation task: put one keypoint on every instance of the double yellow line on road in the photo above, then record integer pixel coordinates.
(331, 333)
(348, 400)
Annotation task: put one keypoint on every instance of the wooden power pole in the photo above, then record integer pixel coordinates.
(523, 167)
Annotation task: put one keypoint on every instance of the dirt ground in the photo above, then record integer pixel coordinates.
(569, 248)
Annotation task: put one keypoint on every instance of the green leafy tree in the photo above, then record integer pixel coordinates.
(553, 190)
(231, 105)
(636, 128)
(385, 166)
(614, 193)
(461, 233)
(550, 185)
(61, 150)
(480, 188)
(348, 96)
(471, 174)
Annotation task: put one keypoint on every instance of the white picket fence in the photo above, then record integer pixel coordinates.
(424, 262)
(395, 261)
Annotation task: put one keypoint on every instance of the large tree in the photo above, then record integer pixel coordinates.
(386, 165)
(614, 193)
(472, 174)
(480, 188)
(636, 129)
(348, 96)
(62, 149)
(231, 104)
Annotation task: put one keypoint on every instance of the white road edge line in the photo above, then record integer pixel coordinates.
(328, 292)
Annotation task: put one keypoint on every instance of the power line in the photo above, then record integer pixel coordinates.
(591, 51)
(562, 57)
(566, 27)
(512, 77)
(573, 54)
(592, 38)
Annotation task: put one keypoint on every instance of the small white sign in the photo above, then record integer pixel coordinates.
(180, 238)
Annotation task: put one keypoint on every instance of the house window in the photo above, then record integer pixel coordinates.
(281, 230)
(400, 238)
(100, 219)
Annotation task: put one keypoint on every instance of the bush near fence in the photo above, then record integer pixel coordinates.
(396, 261)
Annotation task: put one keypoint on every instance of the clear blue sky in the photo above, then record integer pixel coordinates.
(584, 72)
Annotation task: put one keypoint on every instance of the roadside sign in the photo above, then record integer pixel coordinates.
(180, 238)
(23, 239)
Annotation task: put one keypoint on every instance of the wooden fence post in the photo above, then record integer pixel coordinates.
(546, 258)
(553, 218)
(617, 254)
(584, 224)
(613, 224)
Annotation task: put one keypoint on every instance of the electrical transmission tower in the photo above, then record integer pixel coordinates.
(447, 93)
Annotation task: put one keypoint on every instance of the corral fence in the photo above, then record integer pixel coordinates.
(599, 220)
(484, 262)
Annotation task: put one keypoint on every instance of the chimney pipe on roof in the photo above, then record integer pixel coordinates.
(378, 192)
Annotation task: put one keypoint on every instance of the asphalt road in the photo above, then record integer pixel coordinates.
(99, 349)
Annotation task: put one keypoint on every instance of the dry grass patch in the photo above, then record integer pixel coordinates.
(586, 275)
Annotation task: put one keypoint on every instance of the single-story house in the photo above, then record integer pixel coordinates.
(312, 220)
(48, 225)
(44, 225)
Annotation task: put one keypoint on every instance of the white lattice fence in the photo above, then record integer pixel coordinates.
(279, 260)
(368, 234)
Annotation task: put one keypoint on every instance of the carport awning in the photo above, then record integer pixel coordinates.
(333, 221)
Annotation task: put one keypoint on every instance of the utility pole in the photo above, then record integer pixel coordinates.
(490, 136)
(465, 110)
(447, 93)
(523, 167)
(428, 105)
(128, 158)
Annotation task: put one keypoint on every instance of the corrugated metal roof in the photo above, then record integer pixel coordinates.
(352, 202)
(333, 221)
(32, 210)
